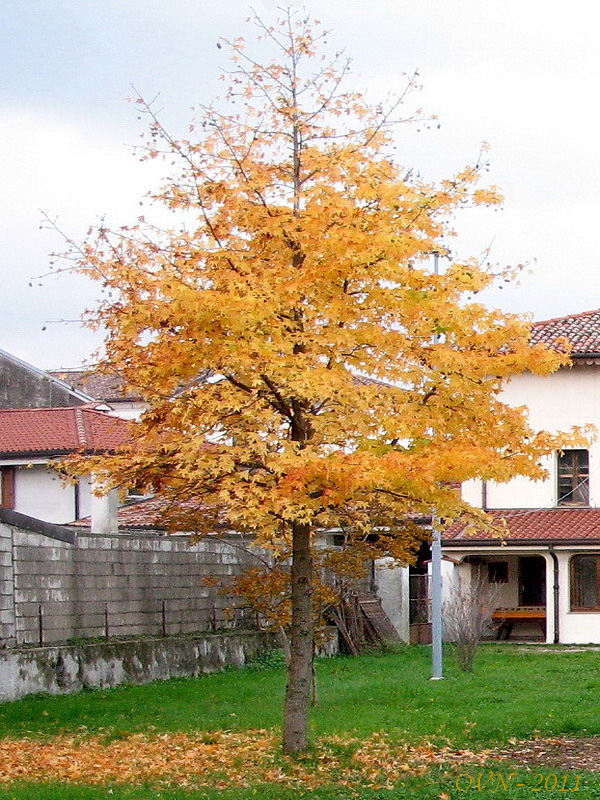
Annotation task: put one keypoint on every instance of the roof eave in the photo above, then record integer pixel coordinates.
(10, 454)
(462, 543)
(49, 454)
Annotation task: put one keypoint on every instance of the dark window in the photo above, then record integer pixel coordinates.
(498, 571)
(573, 478)
(585, 590)
(7, 487)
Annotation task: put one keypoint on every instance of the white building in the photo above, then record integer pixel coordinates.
(31, 439)
(547, 566)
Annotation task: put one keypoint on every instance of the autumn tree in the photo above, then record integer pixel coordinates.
(304, 369)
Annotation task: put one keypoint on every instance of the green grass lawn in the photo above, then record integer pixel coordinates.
(513, 693)
(510, 693)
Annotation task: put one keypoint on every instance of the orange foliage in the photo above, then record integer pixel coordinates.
(302, 261)
(299, 263)
(220, 760)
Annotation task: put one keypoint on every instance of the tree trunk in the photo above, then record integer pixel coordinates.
(298, 691)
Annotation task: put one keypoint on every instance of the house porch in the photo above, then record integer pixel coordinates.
(517, 583)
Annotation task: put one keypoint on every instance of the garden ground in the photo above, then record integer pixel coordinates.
(524, 721)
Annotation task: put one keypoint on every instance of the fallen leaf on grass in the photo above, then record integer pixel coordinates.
(221, 759)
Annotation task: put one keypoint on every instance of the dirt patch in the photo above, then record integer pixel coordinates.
(577, 754)
(558, 650)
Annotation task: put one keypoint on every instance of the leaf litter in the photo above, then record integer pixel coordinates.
(222, 759)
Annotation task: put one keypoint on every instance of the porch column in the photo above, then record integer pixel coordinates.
(552, 596)
(392, 588)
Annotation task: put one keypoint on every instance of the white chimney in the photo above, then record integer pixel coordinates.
(104, 509)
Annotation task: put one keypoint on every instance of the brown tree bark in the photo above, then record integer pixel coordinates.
(298, 691)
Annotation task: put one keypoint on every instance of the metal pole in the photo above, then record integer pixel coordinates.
(437, 669)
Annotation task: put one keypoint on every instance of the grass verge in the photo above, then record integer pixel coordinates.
(514, 693)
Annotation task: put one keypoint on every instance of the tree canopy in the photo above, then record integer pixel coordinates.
(304, 367)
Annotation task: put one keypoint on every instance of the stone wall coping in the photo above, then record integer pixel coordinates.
(32, 525)
(141, 640)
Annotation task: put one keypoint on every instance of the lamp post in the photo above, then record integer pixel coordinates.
(437, 670)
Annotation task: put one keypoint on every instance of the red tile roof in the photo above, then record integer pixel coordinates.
(582, 331)
(53, 431)
(149, 514)
(524, 526)
(143, 514)
(95, 384)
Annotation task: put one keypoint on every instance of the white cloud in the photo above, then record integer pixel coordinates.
(75, 174)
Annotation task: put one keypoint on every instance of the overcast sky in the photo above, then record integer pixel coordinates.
(522, 75)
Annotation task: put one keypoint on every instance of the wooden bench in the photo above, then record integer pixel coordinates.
(505, 619)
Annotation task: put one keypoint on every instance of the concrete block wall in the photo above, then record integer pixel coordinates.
(7, 604)
(60, 669)
(58, 584)
(43, 573)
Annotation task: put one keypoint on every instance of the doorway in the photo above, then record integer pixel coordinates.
(419, 597)
(532, 581)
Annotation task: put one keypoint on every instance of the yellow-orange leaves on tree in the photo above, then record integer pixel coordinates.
(304, 368)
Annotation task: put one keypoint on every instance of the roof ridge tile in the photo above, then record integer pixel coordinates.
(80, 427)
